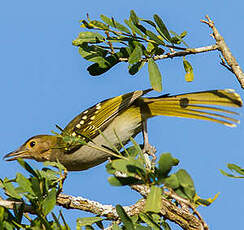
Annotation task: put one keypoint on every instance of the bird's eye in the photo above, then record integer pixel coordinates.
(32, 144)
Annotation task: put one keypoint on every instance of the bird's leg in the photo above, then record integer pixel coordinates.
(147, 148)
(63, 176)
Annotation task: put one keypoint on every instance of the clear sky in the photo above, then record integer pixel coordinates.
(44, 82)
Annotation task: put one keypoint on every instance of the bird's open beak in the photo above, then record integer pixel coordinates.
(17, 154)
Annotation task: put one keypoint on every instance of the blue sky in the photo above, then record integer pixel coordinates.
(44, 82)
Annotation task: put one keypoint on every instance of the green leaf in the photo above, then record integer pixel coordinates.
(133, 28)
(114, 24)
(122, 28)
(92, 53)
(137, 146)
(189, 76)
(121, 165)
(134, 17)
(54, 164)
(10, 189)
(148, 220)
(99, 25)
(65, 224)
(180, 192)
(135, 55)
(122, 181)
(87, 221)
(109, 168)
(133, 69)
(49, 202)
(230, 175)
(35, 183)
(90, 37)
(233, 167)
(107, 20)
(236, 168)
(129, 166)
(100, 68)
(155, 38)
(124, 217)
(1, 216)
(177, 39)
(132, 151)
(56, 221)
(115, 227)
(24, 183)
(205, 202)
(134, 218)
(153, 202)
(156, 217)
(49, 175)
(85, 24)
(150, 47)
(154, 75)
(172, 181)
(149, 22)
(27, 167)
(166, 162)
(186, 182)
(163, 29)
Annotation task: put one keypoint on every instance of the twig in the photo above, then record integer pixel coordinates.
(170, 211)
(10, 205)
(223, 63)
(170, 193)
(179, 54)
(224, 49)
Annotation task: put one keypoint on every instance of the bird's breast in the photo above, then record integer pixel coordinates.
(125, 125)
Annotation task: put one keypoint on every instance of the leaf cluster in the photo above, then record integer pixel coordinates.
(134, 170)
(38, 192)
(137, 42)
(236, 169)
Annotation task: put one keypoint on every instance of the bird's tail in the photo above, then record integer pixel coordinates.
(198, 105)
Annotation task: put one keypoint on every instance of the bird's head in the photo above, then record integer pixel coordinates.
(38, 148)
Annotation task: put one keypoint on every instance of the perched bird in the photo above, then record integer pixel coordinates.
(117, 119)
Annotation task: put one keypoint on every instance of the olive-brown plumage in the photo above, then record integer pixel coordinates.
(122, 117)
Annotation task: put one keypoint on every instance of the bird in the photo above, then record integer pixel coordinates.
(111, 123)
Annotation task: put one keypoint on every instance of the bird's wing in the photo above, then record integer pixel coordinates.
(95, 119)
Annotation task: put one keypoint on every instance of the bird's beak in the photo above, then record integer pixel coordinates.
(17, 154)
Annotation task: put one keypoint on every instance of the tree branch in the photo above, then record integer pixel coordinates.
(169, 210)
(224, 49)
(183, 53)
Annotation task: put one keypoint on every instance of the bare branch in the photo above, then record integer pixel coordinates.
(224, 49)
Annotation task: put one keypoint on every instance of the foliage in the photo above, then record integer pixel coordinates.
(234, 168)
(137, 42)
(38, 192)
